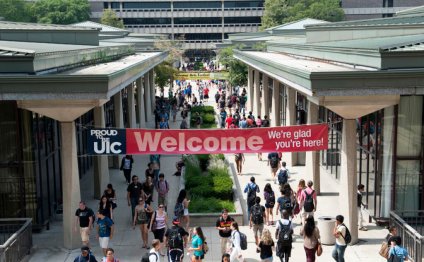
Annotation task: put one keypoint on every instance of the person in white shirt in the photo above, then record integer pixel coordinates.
(284, 247)
(235, 239)
(156, 245)
(339, 233)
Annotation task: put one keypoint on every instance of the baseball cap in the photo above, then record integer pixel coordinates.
(176, 220)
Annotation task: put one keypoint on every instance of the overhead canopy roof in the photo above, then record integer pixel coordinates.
(104, 29)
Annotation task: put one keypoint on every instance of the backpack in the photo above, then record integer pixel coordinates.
(282, 177)
(146, 257)
(271, 199)
(286, 205)
(179, 209)
(309, 202)
(243, 241)
(347, 238)
(274, 162)
(251, 196)
(257, 215)
(175, 240)
(285, 235)
(205, 248)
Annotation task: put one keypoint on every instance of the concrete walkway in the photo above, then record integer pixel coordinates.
(127, 242)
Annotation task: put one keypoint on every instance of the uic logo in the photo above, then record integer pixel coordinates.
(105, 146)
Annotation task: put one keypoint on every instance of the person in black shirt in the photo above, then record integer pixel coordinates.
(360, 205)
(84, 221)
(85, 255)
(266, 245)
(223, 224)
(177, 237)
(133, 193)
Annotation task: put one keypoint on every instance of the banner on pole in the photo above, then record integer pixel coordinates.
(207, 141)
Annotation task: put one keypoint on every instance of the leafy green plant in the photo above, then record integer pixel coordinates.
(210, 205)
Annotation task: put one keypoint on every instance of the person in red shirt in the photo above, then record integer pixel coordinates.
(206, 93)
(229, 121)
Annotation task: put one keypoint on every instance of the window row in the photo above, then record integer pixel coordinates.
(193, 20)
(185, 5)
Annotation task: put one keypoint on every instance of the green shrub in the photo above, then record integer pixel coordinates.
(217, 156)
(210, 205)
(208, 126)
(208, 119)
(203, 161)
(203, 109)
(223, 187)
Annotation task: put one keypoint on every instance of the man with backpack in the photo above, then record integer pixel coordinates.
(176, 240)
(251, 189)
(308, 201)
(257, 218)
(285, 203)
(162, 187)
(153, 254)
(283, 175)
(284, 236)
(343, 237)
(274, 163)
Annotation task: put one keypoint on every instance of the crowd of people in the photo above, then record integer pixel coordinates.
(172, 241)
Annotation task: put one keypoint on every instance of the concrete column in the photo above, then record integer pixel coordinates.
(312, 157)
(140, 103)
(119, 121)
(152, 88)
(291, 119)
(250, 98)
(131, 106)
(265, 96)
(101, 167)
(348, 178)
(257, 99)
(275, 118)
(147, 97)
(70, 184)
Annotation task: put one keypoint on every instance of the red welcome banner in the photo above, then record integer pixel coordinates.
(206, 141)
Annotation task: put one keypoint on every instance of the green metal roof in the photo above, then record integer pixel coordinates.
(411, 11)
(103, 28)
(43, 27)
(390, 21)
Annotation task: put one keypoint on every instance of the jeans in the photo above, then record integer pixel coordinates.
(310, 254)
(338, 253)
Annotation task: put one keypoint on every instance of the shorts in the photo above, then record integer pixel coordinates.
(268, 205)
(159, 233)
(176, 255)
(104, 242)
(258, 229)
(85, 234)
(206, 96)
(186, 212)
(162, 200)
(199, 257)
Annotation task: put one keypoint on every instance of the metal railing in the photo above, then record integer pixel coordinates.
(15, 238)
(410, 227)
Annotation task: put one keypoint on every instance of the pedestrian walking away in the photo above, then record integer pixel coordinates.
(223, 224)
(266, 246)
(251, 189)
(311, 238)
(284, 236)
(257, 219)
(236, 243)
(84, 220)
(274, 163)
(269, 196)
(239, 159)
(126, 167)
(308, 201)
(153, 254)
(176, 239)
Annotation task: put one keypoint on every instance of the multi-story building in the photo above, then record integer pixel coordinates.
(201, 23)
(365, 9)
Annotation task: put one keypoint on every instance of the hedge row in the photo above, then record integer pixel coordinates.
(208, 116)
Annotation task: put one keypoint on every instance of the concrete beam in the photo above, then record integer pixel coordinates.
(152, 88)
(131, 106)
(147, 97)
(291, 120)
(119, 121)
(257, 99)
(140, 103)
(265, 96)
(276, 114)
(250, 89)
(312, 157)
(70, 184)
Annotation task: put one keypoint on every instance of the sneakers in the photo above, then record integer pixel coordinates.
(363, 229)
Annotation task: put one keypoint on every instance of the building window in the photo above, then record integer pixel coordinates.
(198, 5)
(114, 5)
(146, 5)
(243, 4)
(147, 21)
(193, 37)
(242, 20)
(197, 20)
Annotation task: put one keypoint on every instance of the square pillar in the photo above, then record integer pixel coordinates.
(147, 97)
(70, 184)
(291, 120)
(131, 106)
(250, 89)
(348, 178)
(257, 99)
(152, 88)
(312, 157)
(265, 96)
(119, 121)
(101, 167)
(276, 117)
(140, 103)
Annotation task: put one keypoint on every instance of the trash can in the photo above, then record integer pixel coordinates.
(326, 226)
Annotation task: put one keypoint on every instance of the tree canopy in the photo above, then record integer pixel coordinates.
(110, 18)
(15, 10)
(278, 12)
(61, 11)
(236, 69)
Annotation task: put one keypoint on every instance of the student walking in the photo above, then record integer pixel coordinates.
(269, 197)
(84, 220)
(106, 207)
(158, 224)
(311, 238)
(134, 193)
(239, 159)
(85, 256)
(110, 193)
(162, 187)
(141, 218)
(397, 252)
(256, 221)
(361, 205)
(176, 240)
(284, 236)
(308, 201)
(104, 231)
(235, 242)
(274, 163)
(126, 167)
(110, 256)
(251, 189)
(197, 242)
(266, 246)
(223, 224)
(339, 232)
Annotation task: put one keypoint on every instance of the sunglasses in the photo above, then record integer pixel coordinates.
(160, 206)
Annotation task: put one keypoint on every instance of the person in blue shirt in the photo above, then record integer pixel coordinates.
(251, 189)
(223, 115)
(197, 241)
(397, 250)
(104, 230)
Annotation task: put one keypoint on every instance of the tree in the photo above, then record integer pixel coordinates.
(237, 70)
(61, 11)
(110, 18)
(278, 12)
(15, 10)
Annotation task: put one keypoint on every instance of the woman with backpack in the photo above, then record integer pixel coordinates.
(269, 197)
(197, 241)
(236, 243)
(311, 238)
(141, 217)
(181, 208)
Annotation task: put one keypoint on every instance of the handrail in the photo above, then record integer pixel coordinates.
(17, 233)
